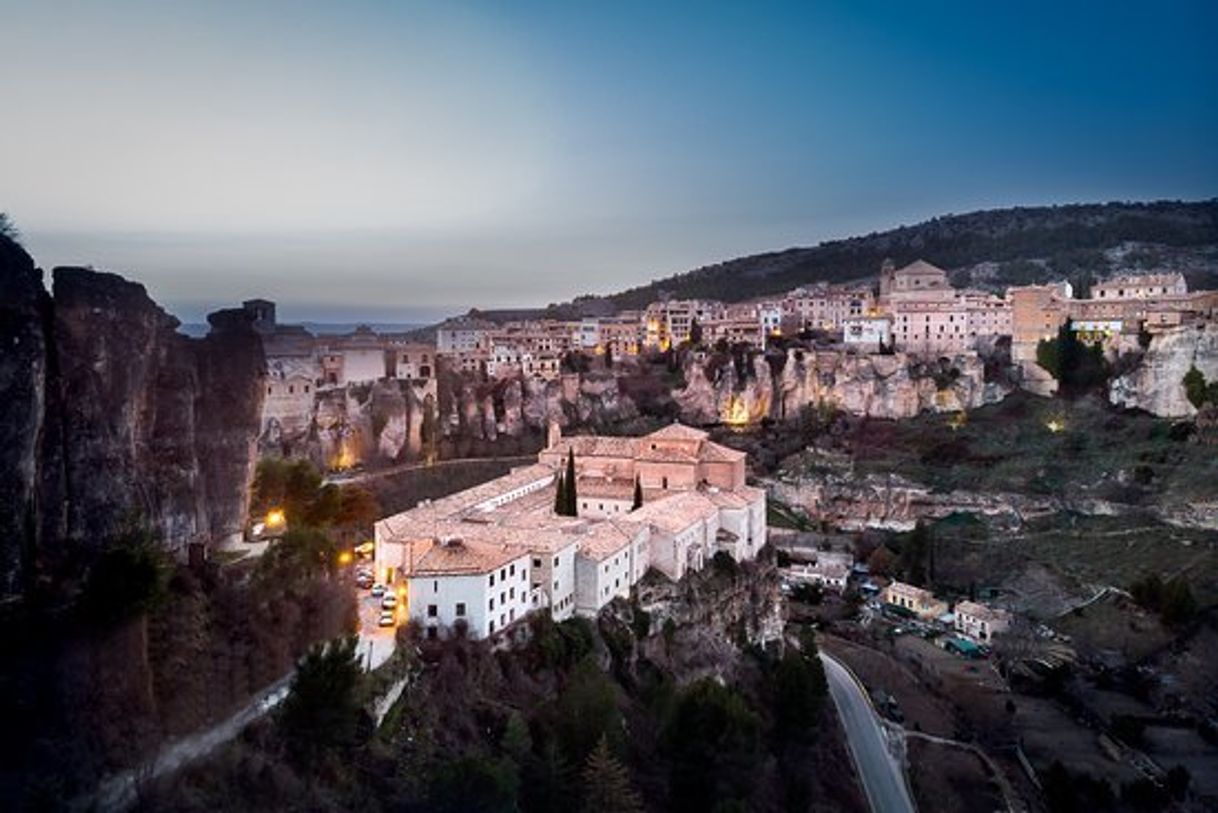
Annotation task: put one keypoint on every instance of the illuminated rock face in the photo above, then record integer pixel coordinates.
(108, 413)
(878, 386)
(1157, 383)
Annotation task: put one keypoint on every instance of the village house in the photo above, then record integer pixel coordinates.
(980, 622)
(922, 603)
(454, 554)
(353, 358)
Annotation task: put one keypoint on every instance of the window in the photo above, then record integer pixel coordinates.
(555, 561)
(491, 605)
(492, 627)
(435, 586)
(556, 586)
(503, 598)
(460, 609)
(492, 580)
(432, 633)
(511, 615)
(536, 563)
(513, 569)
(522, 574)
(512, 593)
(431, 611)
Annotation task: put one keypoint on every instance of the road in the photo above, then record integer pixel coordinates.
(376, 643)
(346, 478)
(120, 791)
(881, 774)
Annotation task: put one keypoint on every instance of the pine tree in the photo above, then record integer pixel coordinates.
(572, 496)
(638, 495)
(607, 787)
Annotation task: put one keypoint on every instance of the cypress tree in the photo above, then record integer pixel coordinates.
(560, 495)
(569, 486)
(638, 495)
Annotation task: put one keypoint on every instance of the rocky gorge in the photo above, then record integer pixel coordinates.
(109, 415)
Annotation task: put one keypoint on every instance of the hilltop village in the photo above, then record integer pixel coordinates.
(857, 333)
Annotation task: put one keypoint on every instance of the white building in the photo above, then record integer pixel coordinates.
(456, 581)
(980, 622)
(458, 553)
(867, 332)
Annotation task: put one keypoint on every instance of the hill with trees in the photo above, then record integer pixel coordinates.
(991, 248)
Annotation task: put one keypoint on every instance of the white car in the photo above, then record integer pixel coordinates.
(389, 601)
(387, 618)
(378, 590)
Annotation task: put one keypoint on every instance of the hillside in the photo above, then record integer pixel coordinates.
(991, 248)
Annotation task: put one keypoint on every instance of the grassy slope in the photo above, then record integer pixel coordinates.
(1123, 457)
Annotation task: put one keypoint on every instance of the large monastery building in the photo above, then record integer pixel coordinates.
(487, 556)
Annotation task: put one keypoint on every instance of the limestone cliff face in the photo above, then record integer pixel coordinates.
(877, 386)
(1156, 385)
(109, 413)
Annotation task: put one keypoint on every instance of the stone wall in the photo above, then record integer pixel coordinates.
(1157, 383)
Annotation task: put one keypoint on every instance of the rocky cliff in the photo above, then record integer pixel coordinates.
(107, 413)
(1156, 384)
(871, 385)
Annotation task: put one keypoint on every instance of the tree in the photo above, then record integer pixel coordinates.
(128, 578)
(607, 787)
(1195, 388)
(321, 714)
(588, 712)
(7, 228)
(608, 357)
(572, 506)
(879, 563)
(516, 741)
(474, 784)
(638, 494)
(714, 743)
(560, 495)
(695, 332)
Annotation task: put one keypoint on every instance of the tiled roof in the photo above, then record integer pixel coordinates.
(713, 452)
(674, 514)
(463, 556)
(604, 539)
(980, 611)
(677, 431)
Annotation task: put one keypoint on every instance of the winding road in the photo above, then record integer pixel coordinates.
(121, 791)
(880, 772)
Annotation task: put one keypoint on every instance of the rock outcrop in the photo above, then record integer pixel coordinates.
(871, 385)
(1157, 383)
(107, 413)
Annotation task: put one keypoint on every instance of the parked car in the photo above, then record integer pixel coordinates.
(378, 590)
(387, 618)
(389, 601)
(363, 582)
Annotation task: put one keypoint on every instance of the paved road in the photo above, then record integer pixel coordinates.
(119, 792)
(881, 775)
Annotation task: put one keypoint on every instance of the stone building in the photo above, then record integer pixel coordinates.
(922, 603)
(488, 555)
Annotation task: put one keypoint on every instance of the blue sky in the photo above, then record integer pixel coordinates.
(394, 161)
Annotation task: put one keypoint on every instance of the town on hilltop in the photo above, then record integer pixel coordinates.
(913, 309)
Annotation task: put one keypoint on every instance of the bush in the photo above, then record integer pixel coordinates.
(127, 579)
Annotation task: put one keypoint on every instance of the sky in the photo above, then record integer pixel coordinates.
(399, 161)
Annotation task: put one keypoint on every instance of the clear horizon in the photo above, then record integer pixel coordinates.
(402, 162)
